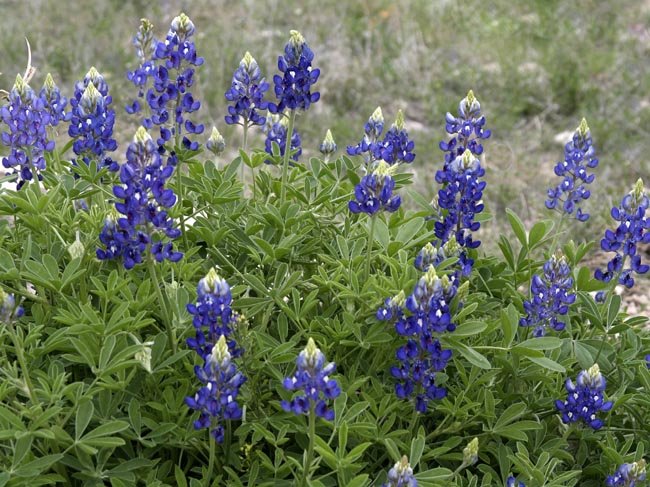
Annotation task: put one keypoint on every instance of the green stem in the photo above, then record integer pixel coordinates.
(171, 335)
(210, 460)
(310, 450)
(557, 234)
(18, 348)
(227, 442)
(371, 241)
(287, 153)
(244, 146)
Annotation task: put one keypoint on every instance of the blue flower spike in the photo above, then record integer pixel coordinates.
(401, 475)
(628, 475)
(585, 399)
(312, 379)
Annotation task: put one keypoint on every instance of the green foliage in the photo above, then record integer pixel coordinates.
(86, 406)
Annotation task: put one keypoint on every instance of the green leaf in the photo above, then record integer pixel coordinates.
(509, 324)
(408, 230)
(547, 363)
(472, 356)
(517, 227)
(84, 414)
(417, 447)
(541, 343)
(469, 328)
(613, 306)
(107, 429)
(358, 481)
(510, 414)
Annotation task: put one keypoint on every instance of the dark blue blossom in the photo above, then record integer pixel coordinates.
(396, 147)
(217, 399)
(420, 318)
(328, 146)
(312, 379)
(9, 309)
(401, 475)
(142, 201)
(171, 69)
(466, 130)
(632, 230)
(579, 157)
(145, 44)
(585, 399)
(92, 120)
(627, 475)
(26, 117)
(647, 359)
(212, 315)
(375, 192)
(460, 200)
(55, 102)
(246, 94)
(276, 131)
(550, 297)
(513, 482)
(371, 139)
(293, 88)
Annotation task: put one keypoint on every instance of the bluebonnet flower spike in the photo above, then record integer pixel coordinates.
(246, 94)
(217, 399)
(550, 297)
(368, 146)
(9, 311)
(277, 132)
(213, 315)
(419, 318)
(466, 130)
(633, 229)
(513, 482)
(26, 118)
(375, 191)
(585, 399)
(628, 475)
(401, 475)
(293, 88)
(579, 157)
(142, 200)
(312, 379)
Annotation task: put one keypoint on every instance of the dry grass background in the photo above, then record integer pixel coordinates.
(537, 67)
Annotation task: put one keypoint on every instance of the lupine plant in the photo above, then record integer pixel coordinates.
(152, 302)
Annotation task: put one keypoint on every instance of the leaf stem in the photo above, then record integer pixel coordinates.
(310, 450)
(157, 284)
(371, 241)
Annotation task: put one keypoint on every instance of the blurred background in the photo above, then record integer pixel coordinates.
(536, 66)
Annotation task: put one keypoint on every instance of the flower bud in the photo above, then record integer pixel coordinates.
(220, 354)
(143, 40)
(144, 356)
(76, 249)
(90, 99)
(50, 88)
(213, 283)
(469, 106)
(399, 121)
(182, 26)
(375, 125)
(21, 89)
(216, 143)
(328, 146)
(470, 452)
(583, 129)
